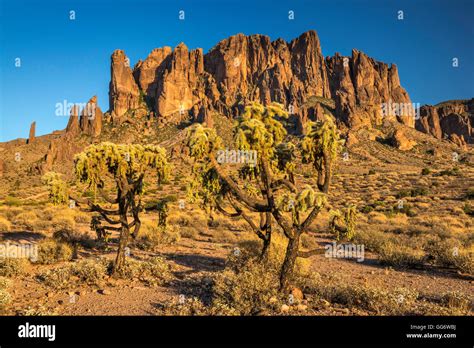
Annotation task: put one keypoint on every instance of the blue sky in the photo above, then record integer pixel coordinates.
(70, 60)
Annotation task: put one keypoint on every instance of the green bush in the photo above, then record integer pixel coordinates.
(12, 201)
(425, 171)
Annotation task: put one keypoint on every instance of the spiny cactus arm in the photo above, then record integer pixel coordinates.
(225, 212)
(310, 218)
(136, 223)
(335, 224)
(104, 215)
(77, 199)
(112, 228)
(247, 218)
(283, 183)
(267, 179)
(284, 223)
(104, 195)
(252, 202)
(95, 207)
(264, 220)
(324, 174)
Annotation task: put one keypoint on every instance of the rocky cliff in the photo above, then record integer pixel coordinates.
(174, 84)
(451, 119)
(243, 68)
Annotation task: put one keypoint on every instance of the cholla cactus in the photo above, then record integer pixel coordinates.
(58, 190)
(269, 186)
(163, 214)
(321, 147)
(256, 130)
(125, 167)
(343, 224)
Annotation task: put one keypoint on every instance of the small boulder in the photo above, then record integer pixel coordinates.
(401, 142)
(297, 294)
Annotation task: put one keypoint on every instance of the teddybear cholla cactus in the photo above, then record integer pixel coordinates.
(343, 223)
(269, 185)
(125, 167)
(256, 132)
(58, 191)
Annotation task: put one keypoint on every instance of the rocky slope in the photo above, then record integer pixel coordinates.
(247, 68)
(172, 85)
(452, 119)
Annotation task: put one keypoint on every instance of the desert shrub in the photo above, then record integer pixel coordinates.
(48, 213)
(371, 172)
(81, 217)
(426, 171)
(27, 220)
(151, 236)
(36, 311)
(56, 278)
(247, 283)
(189, 232)
(470, 193)
(10, 267)
(194, 218)
(308, 241)
(380, 301)
(12, 201)
(468, 209)
(223, 236)
(450, 172)
(192, 305)
(5, 225)
(11, 212)
(65, 222)
(367, 209)
(91, 272)
(73, 237)
(450, 253)
(403, 193)
(51, 251)
(394, 254)
(419, 191)
(152, 272)
(372, 239)
(4, 283)
(457, 301)
(246, 290)
(377, 218)
(5, 297)
(415, 192)
(406, 209)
